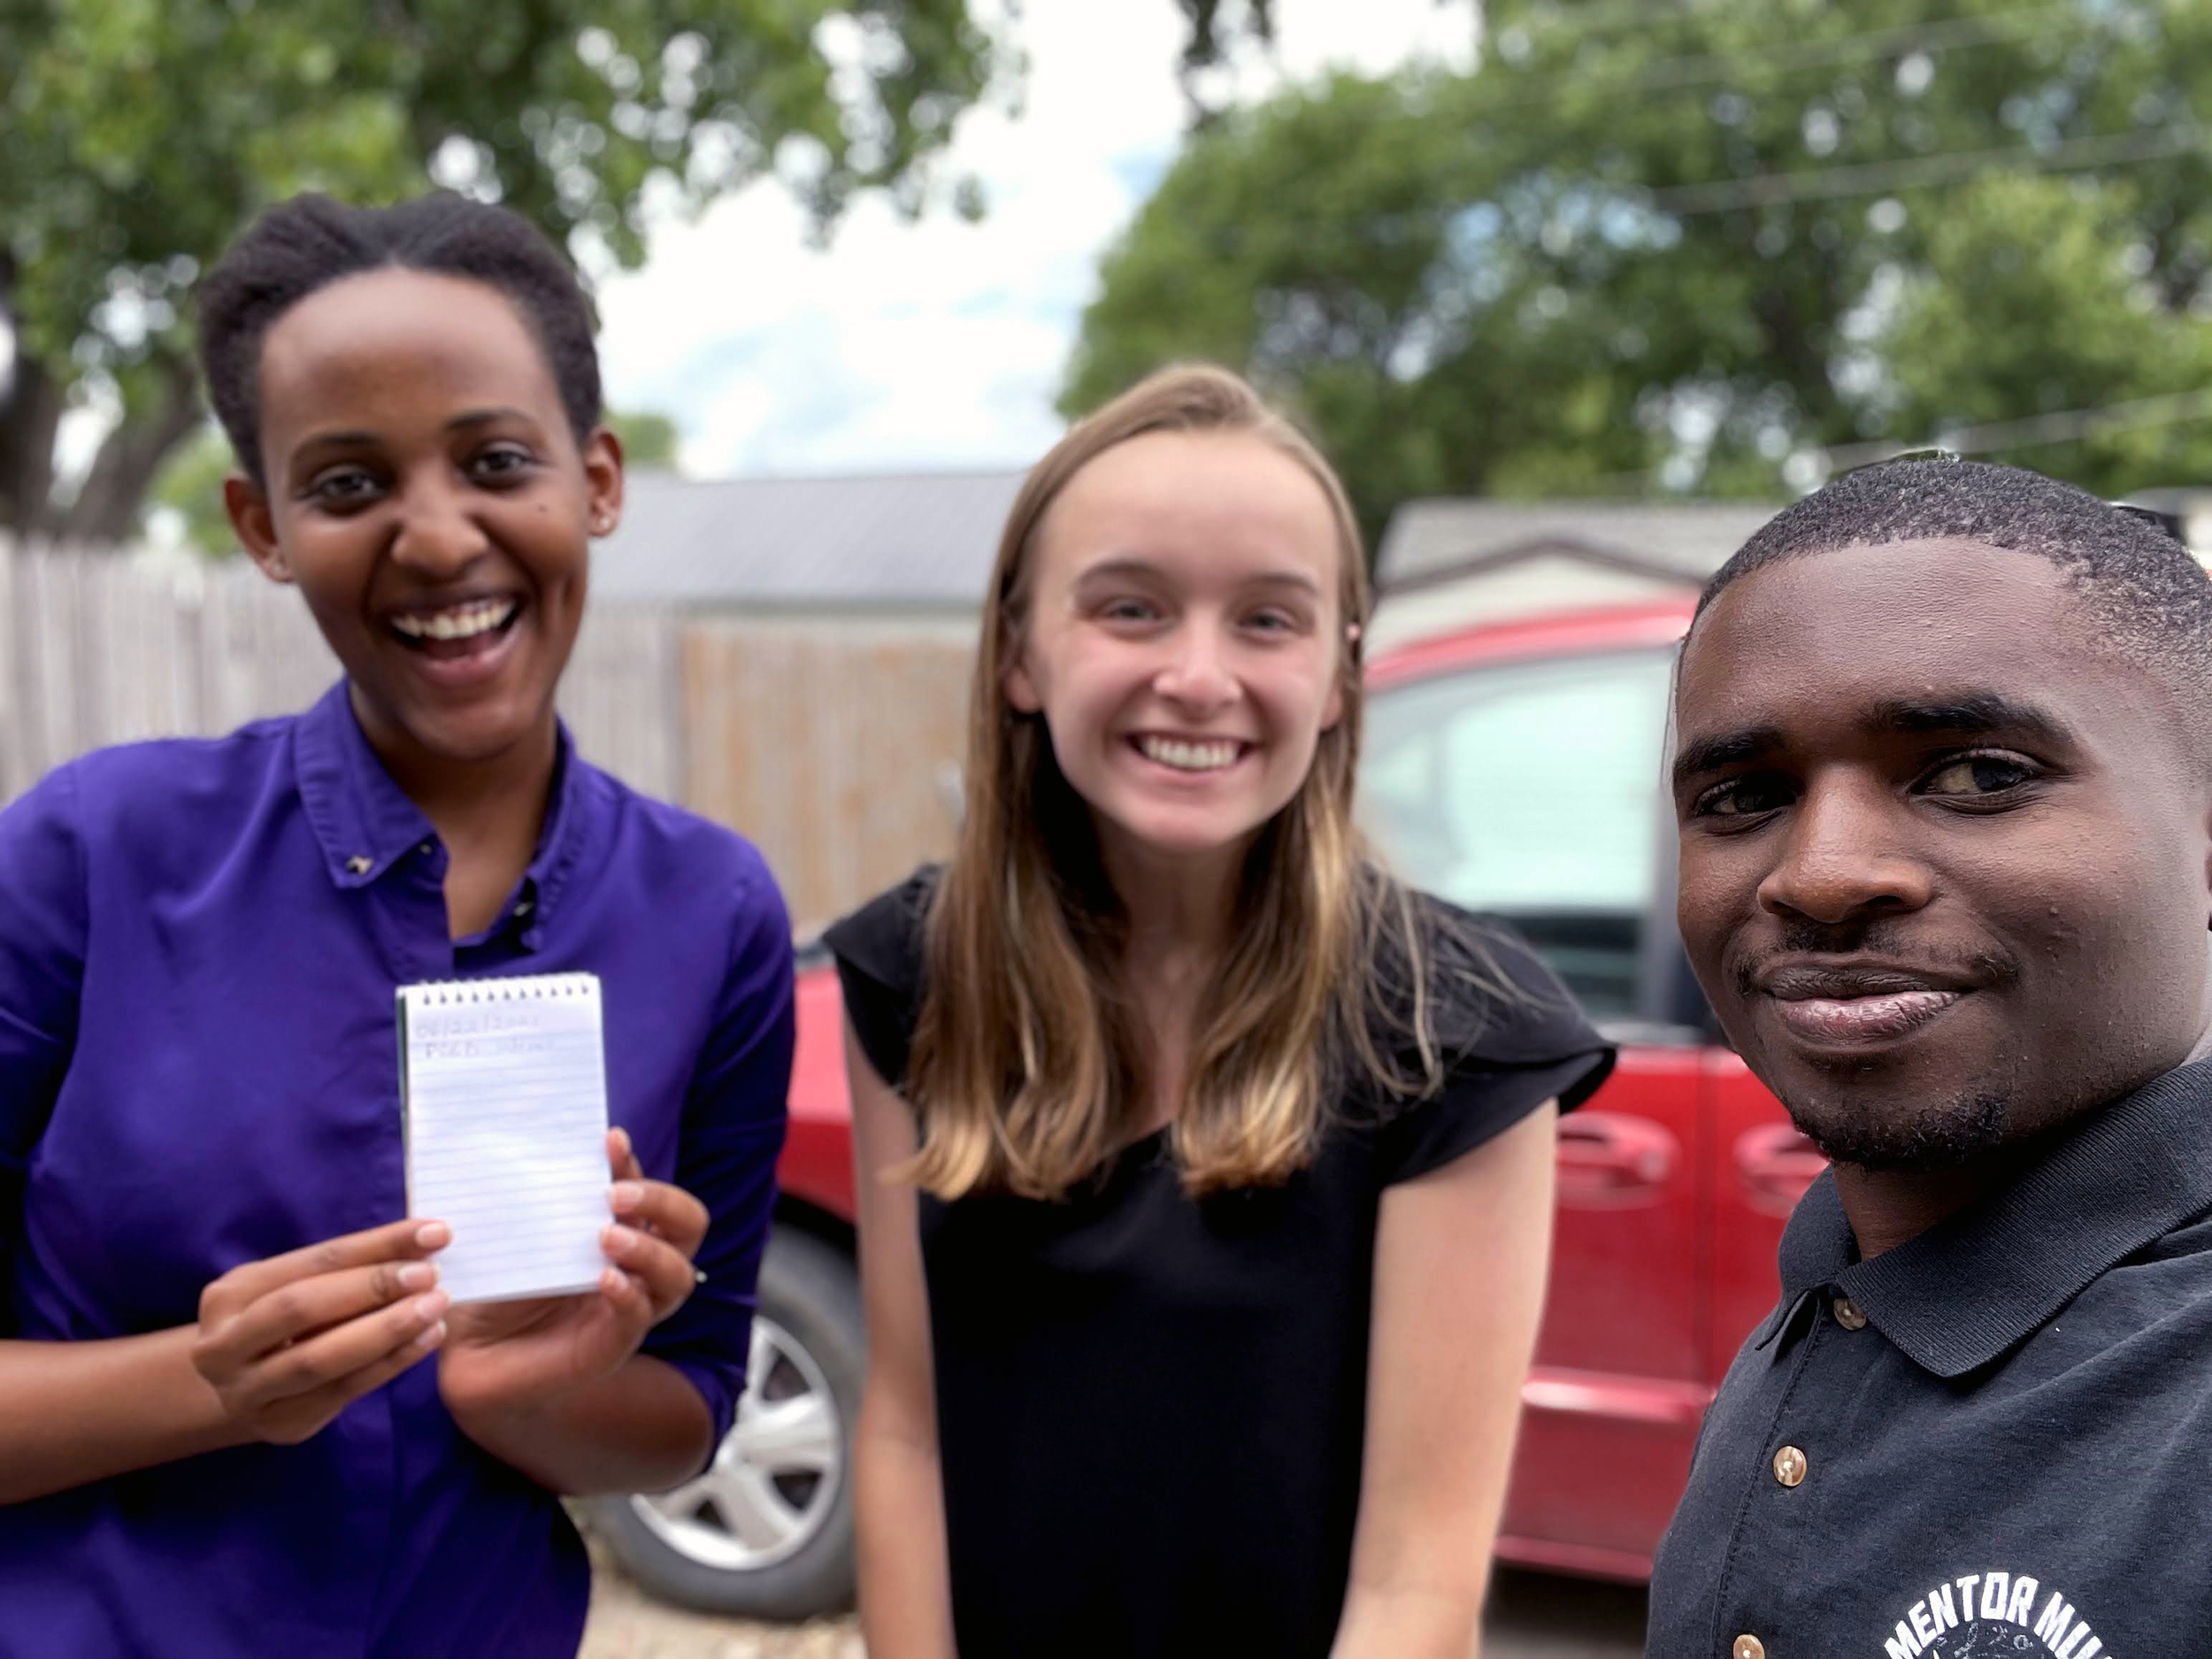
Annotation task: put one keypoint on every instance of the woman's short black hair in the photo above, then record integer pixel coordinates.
(309, 241)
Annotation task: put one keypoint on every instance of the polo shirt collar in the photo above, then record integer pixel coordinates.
(1957, 1297)
(364, 822)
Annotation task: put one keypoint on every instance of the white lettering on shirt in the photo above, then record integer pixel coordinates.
(1943, 1613)
(1991, 1598)
(1994, 1587)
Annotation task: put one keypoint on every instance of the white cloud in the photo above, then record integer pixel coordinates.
(939, 343)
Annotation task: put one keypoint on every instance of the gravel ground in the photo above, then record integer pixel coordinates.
(1531, 1616)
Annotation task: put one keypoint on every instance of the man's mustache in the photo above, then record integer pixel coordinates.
(1889, 943)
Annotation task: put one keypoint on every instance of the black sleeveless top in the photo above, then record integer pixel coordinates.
(1151, 1408)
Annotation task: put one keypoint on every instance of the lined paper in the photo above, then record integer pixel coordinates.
(505, 1094)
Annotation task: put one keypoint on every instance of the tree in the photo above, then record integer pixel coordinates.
(648, 440)
(1704, 248)
(140, 134)
(189, 484)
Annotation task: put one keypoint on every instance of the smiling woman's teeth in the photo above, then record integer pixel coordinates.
(1187, 757)
(462, 622)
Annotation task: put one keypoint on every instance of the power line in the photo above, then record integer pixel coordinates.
(1721, 195)
(2172, 409)
(1880, 178)
(1592, 19)
(1945, 34)
(2066, 426)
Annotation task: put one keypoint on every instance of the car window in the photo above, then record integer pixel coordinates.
(1531, 790)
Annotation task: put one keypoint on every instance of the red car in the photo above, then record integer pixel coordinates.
(1514, 769)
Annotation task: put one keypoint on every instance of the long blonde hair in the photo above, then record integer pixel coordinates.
(1028, 1069)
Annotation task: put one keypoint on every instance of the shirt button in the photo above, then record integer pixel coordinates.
(424, 850)
(1848, 1314)
(1789, 1466)
(360, 864)
(1748, 1648)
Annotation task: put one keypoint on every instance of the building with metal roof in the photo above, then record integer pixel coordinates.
(1448, 562)
(894, 545)
(897, 545)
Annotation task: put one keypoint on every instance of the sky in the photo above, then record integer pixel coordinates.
(936, 344)
(939, 344)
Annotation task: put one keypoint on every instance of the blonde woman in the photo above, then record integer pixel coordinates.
(1205, 1175)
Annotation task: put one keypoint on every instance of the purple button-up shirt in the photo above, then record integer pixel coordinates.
(199, 942)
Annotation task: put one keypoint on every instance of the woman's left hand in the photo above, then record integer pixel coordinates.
(514, 1356)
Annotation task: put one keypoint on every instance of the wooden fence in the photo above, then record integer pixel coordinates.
(831, 744)
(835, 747)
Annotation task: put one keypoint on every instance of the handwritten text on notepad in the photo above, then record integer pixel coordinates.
(505, 1088)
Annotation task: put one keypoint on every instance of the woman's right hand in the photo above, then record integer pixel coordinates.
(289, 1342)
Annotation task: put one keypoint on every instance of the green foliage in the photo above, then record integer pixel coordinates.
(190, 485)
(1696, 246)
(648, 440)
(142, 134)
(2058, 268)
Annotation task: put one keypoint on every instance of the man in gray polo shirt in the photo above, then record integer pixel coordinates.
(1943, 769)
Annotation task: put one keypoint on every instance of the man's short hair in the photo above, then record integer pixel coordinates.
(2147, 597)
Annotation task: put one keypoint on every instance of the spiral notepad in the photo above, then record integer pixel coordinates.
(504, 1091)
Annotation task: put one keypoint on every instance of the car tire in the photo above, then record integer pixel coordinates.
(785, 1550)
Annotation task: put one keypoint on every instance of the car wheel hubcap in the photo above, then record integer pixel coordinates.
(773, 1477)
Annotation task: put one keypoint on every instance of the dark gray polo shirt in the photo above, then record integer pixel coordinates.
(1994, 1438)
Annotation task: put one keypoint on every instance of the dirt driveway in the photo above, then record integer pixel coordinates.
(1531, 1616)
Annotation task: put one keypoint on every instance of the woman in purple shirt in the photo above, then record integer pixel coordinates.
(237, 1416)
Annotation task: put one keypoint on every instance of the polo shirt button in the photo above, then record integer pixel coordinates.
(1848, 1314)
(360, 864)
(1789, 1466)
(1748, 1648)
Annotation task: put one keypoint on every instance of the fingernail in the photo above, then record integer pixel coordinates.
(620, 1239)
(435, 1304)
(431, 1338)
(417, 1276)
(629, 1194)
(433, 1235)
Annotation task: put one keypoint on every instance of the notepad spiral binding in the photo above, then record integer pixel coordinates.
(530, 989)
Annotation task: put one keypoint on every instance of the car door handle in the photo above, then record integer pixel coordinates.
(1774, 1166)
(1614, 1160)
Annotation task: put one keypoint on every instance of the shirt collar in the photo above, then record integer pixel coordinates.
(365, 823)
(1981, 1282)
